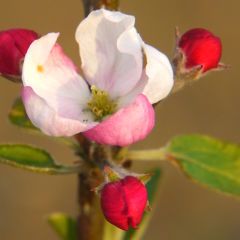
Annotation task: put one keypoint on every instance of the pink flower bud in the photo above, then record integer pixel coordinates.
(201, 47)
(123, 202)
(14, 44)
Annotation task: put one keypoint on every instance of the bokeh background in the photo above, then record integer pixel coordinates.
(185, 211)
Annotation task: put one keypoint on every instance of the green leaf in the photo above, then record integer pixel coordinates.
(112, 232)
(208, 161)
(18, 116)
(64, 226)
(33, 159)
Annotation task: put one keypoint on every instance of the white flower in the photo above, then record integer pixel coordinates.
(113, 106)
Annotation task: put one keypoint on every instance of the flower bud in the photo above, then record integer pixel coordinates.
(14, 44)
(123, 202)
(201, 48)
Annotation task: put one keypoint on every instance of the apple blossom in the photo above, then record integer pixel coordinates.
(123, 202)
(113, 106)
(201, 47)
(14, 44)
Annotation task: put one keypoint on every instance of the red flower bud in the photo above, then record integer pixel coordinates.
(201, 47)
(14, 44)
(123, 202)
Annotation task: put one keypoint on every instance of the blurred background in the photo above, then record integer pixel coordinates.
(185, 211)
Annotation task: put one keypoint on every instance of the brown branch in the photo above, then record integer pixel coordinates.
(90, 5)
(90, 219)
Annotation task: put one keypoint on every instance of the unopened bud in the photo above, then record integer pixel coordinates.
(201, 47)
(123, 202)
(196, 52)
(14, 44)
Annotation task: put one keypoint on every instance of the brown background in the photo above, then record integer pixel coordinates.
(185, 211)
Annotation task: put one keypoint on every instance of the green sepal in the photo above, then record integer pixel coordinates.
(144, 178)
(111, 175)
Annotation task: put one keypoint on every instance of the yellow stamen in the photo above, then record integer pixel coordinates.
(101, 104)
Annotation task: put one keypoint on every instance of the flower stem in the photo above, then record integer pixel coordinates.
(90, 219)
(146, 155)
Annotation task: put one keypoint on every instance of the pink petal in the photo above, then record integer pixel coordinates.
(126, 126)
(45, 118)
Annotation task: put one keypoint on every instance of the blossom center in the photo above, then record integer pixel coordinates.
(101, 104)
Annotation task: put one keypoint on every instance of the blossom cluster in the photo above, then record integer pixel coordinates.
(113, 103)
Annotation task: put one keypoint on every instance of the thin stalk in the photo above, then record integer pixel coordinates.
(146, 155)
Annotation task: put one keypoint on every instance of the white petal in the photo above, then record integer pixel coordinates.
(53, 77)
(110, 50)
(45, 118)
(157, 79)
